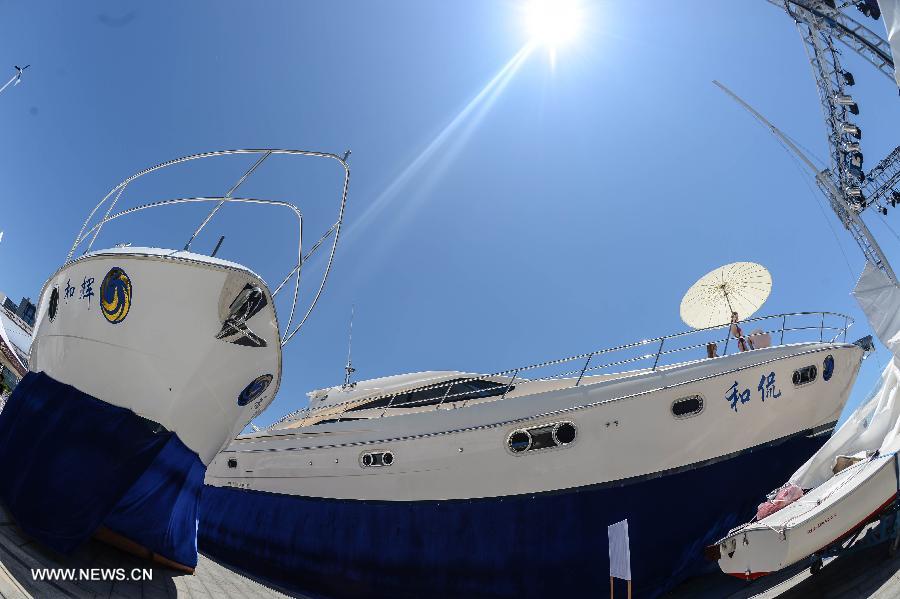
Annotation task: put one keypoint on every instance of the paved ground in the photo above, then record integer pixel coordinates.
(869, 573)
(19, 555)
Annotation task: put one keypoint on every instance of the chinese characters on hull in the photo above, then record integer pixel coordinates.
(87, 289)
(767, 389)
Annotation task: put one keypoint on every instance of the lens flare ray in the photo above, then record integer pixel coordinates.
(451, 139)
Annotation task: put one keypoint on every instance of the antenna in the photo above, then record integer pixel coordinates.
(775, 130)
(218, 245)
(846, 211)
(349, 369)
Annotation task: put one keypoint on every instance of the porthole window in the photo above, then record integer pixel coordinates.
(564, 433)
(828, 367)
(519, 441)
(687, 406)
(54, 304)
(376, 459)
(805, 375)
(547, 436)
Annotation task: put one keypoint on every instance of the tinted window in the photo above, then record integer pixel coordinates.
(805, 375)
(460, 390)
(687, 406)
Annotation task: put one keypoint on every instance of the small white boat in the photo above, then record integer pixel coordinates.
(828, 514)
(850, 481)
(145, 363)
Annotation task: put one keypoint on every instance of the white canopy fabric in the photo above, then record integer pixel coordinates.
(15, 337)
(875, 425)
(740, 287)
(890, 12)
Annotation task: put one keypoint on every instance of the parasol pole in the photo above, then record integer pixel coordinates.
(727, 301)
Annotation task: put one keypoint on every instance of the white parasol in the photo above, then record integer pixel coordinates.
(740, 287)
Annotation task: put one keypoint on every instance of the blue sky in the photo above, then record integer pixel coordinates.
(569, 213)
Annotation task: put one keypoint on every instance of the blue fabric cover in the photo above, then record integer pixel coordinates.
(159, 511)
(542, 545)
(69, 462)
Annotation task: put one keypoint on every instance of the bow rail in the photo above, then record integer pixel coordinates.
(295, 271)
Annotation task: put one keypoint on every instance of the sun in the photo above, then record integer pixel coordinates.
(552, 23)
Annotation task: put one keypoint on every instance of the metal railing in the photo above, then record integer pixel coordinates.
(647, 355)
(265, 153)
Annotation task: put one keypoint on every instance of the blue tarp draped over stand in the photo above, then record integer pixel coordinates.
(536, 545)
(159, 511)
(70, 463)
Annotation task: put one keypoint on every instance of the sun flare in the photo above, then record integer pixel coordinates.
(552, 23)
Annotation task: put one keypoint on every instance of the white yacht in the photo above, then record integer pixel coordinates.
(145, 362)
(458, 484)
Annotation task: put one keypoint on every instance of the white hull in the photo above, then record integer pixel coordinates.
(625, 429)
(826, 514)
(162, 360)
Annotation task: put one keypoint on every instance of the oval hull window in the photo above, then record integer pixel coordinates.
(547, 436)
(376, 459)
(805, 375)
(687, 406)
(54, 304)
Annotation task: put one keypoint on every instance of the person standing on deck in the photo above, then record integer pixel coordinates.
(737, 332)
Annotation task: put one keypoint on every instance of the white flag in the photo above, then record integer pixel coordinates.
(619, 550)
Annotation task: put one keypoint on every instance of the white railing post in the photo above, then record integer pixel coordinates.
(446, 393)
(583, 370)
(510, 384)
(658, 352)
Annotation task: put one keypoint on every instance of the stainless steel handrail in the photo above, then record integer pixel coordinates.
(335, 229)
(513, 375)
